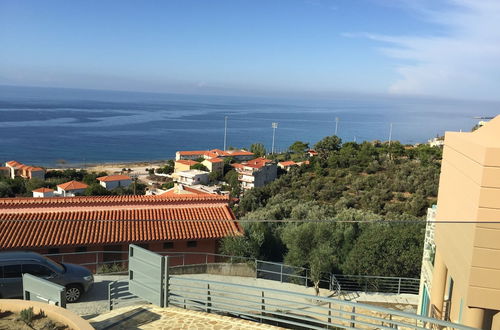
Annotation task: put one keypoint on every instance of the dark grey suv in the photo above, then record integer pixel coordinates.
(76, 279)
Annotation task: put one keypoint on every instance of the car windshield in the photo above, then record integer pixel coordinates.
(55, 265)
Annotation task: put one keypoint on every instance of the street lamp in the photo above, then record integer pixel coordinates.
(336, 125)
(225, 132)
(274, 126)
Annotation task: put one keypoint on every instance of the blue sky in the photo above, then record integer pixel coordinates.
(447, 48)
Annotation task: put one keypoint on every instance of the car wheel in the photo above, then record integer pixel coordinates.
(73, 293)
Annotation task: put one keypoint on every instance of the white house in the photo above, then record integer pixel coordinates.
(192, 177)
(71, 188)
(256, 173)
(43, 192)
(114, 181)
(25, 171)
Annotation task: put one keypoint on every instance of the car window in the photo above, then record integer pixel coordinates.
(54, 265)
(12, 271)
(37, 270)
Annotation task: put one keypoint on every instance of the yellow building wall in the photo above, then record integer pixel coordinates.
(469, 191)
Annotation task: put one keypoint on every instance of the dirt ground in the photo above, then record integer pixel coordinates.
(10, 321)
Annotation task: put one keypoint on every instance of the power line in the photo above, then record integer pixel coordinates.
(260, 221)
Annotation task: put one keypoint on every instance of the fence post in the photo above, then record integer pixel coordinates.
(306, 279)
(281, 274)
(96, 261)
(262, 306)
(353, 317)
(183, 259)
(399, 286)
(209, 299)
(256, 268)
(329, 312)
(206, 259)
(110, 297)
(167, 281)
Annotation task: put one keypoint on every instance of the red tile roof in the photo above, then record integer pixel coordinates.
(239, 153)
(98, 220)
(287, 163)
(220, 152)
(192, 152)
(43, 190)
(72, 185)
(312, 152)
(186, 162)
(110, 178)
(13, 163)
(257, 162)
(214, 160)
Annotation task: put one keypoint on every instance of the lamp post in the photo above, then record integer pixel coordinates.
(225, 132)
(390, 134)
(336, 125)
(274, 126)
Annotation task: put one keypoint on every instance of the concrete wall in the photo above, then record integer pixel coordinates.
(225, 269)
(115, 184)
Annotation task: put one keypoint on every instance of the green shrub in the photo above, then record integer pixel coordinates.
(26, 315)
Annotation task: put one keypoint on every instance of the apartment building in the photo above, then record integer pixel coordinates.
(25, 171)
(256, 173)
(462, 266)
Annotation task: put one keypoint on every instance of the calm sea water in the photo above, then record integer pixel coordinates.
(43, 125)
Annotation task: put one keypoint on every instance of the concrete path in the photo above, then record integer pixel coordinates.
(149, 317)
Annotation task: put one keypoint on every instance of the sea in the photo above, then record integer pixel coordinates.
(54, 126)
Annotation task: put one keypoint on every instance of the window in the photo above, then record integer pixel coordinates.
(168, 245)
(37, 270)
(54, 251)
(12, 271)
(81, 249)
(192, 244)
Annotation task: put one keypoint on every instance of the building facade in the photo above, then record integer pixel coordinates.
(168, 224)
(256, 173)
(465, 284)
(114, 181)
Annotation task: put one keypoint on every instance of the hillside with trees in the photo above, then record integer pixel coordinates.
(346, 182)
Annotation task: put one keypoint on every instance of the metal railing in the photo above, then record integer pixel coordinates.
(289, 309)
(117, 262)
(383, 284)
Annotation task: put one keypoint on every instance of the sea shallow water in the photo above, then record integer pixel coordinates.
(43, 125)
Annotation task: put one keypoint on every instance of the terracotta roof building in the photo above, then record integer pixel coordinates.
(71, 188)
(43, 192)
(114, 181)
(28, 172)
(192, 223)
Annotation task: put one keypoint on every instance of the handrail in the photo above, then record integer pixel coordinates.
(336, 283)
(307, 310)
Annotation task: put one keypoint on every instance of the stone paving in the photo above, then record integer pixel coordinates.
(149, 317)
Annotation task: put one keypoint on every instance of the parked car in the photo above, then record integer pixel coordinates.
(76, 279)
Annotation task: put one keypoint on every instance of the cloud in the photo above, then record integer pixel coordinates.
(462, 62)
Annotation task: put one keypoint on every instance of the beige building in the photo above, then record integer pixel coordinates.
(465, 283)
(214, 165)
(184, 165)
(256, 173)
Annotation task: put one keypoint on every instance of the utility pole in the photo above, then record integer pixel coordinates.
(225, 132)
(390, 135)
(274, 126)
(336, 125)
